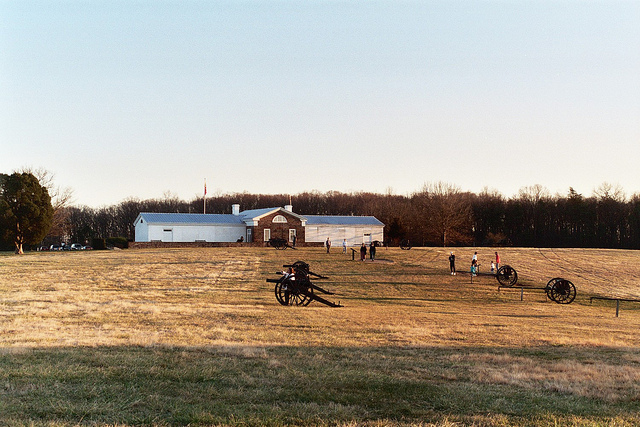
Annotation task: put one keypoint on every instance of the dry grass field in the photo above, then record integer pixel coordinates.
(196, 337)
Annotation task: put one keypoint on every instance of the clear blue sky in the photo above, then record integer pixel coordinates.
(138, 98)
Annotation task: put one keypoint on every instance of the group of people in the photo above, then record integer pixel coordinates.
(363, 249)
(475, 266)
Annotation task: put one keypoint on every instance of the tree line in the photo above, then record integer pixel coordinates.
(439, 214)
(34, 212)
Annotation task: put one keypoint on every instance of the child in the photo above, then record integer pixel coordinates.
(493, 266)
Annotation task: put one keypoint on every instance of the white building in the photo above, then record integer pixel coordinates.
(256, 226)
(355, 229)
(177, 227)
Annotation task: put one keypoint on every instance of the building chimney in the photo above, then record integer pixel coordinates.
(288, 208)
(235, 209)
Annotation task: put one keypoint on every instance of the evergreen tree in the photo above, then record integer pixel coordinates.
(26, 213)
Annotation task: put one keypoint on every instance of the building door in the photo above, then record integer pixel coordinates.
(167, 235)
(366, 238)
(292, 234)
(249, 235)
(267, 234)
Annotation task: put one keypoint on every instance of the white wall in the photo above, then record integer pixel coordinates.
(142, 231)
(192, 233)
(353, 234)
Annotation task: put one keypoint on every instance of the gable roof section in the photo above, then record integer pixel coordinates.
(342, 220)
(186, 219)
(256, 214)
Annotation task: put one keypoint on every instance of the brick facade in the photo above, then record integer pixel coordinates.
(278, 229)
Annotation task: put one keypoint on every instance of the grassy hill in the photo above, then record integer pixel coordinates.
(196, 337)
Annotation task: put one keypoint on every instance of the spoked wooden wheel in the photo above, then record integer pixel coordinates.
(562, 291)
(405, 245)
(507, 276)
(301, 267)
(288, 292)
(549, 286)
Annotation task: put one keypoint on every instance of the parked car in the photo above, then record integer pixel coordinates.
(77, 247)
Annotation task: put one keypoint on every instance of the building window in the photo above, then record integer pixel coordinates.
(267, 234)
(279, 219)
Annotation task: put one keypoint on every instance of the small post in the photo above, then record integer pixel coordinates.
(617, 307)
(521, 294)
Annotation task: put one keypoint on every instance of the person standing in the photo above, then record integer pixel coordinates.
(452, 264)
(372, 251)
(344, 246)
(497, 261)
(474, 261)
(363, 252)
(328, 244)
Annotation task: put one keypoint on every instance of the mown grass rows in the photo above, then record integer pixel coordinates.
(196, 337)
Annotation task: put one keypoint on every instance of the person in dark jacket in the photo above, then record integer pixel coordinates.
(452, 264)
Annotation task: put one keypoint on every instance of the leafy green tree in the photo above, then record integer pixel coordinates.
(26, 214)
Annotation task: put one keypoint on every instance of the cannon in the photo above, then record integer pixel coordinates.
(405, 245)
(560, 290)
(557, 289)
(294, 286)
(507, 275)
(279, 243)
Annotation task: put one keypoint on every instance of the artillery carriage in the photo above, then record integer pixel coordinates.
(294, 287)
(559, 290)
(279, 243)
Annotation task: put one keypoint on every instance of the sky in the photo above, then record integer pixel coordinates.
(144, 99)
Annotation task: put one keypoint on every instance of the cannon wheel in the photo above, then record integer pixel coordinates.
(507, 276)
(301, 267)
(288, 294)
(405, 245)
(549, 286)
(562, 291)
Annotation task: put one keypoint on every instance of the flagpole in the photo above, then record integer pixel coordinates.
(204, 198)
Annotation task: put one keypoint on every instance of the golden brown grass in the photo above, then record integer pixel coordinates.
(412, 345)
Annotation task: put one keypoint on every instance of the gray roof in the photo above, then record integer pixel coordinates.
(185, 218)
(254, 213)
(342, 220)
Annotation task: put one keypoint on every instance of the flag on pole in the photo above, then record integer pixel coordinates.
(204, 198)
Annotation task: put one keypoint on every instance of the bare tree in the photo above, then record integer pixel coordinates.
(448, 213)
(608, 191)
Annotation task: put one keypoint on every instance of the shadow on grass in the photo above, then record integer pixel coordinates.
(235, 385)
